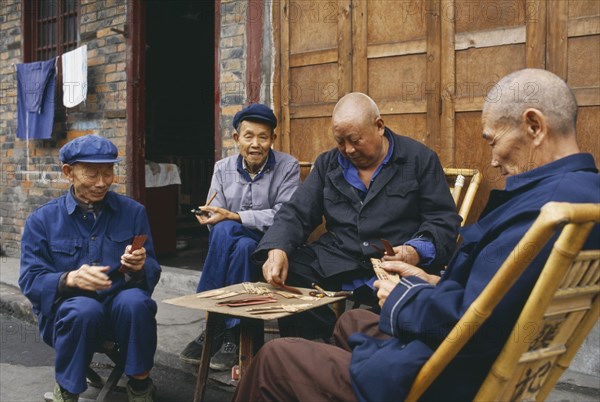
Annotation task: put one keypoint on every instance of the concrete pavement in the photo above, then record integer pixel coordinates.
(178, 325)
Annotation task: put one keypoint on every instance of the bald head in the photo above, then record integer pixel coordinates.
(533, 89)
(355, 106)
(359, 131)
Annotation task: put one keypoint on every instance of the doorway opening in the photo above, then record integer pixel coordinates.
(179, 131)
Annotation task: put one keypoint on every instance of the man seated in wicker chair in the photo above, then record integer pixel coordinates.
(533, 143)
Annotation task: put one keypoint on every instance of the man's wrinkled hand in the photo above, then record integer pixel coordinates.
(275, 269)
(215, 215)
(384, 288)
(89, 277)
(404, 269)
(404, 253)
(134, 260)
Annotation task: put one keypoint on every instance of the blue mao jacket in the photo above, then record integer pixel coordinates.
(419, 316)
(60, 237)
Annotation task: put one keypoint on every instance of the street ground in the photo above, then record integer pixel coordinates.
(27, 370)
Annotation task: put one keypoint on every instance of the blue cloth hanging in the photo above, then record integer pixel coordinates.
(36, 86)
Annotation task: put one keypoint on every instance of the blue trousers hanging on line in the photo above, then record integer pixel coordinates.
(230, 245)
(83, 324)
(36, 86)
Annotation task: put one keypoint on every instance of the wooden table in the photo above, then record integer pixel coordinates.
(251, 326)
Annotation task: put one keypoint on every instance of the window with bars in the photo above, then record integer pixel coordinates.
(51, 28)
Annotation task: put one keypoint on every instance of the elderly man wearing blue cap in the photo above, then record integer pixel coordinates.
(84, 281)
(250, 188)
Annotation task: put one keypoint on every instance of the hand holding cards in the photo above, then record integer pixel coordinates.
(136, 244)
(382, 273)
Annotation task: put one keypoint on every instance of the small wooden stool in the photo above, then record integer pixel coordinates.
(107, 385)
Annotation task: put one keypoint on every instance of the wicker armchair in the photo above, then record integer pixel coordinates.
(563, 307)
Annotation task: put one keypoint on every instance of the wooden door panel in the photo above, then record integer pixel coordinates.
(583, 70)
(396, 64)
(588, 121)
(409, 125)
(477, 70)
(313, 25)
(392, 21)
(584, 8)
(398, 78)
(428, 65)
(315, 65)
(314, 84)
(313, 94)
(311, 137)
(478, 15)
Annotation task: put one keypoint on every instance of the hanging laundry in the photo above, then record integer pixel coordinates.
(36, 84)
(74, 74)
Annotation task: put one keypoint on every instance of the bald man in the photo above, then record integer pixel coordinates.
(374, 185)
(377, 357)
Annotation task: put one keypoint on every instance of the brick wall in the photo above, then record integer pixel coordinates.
(232, 64)
(11, 215)
(104, 113)
(28, 182)
(235, 90)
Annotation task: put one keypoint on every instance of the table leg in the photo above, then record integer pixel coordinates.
(211, 320)
(252, 337)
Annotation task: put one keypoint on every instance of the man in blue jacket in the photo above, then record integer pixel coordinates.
(250, 188)
(533, 142)
(84, 281)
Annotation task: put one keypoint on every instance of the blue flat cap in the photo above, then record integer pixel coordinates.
(255, 112)
(89, 149)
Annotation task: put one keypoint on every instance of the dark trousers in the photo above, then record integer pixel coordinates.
(293, 369)
(83, 323)
(319, 322)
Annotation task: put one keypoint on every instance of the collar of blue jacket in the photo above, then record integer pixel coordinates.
(574, 162)
(351, 173)
(72, 204)
(244, 173)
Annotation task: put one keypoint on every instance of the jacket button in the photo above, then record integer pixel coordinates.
(93, 237)
(366, 243)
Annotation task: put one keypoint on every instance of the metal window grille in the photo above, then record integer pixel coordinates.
(51, 28)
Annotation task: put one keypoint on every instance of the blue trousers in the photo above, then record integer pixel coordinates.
(83, 323)
(228, 262)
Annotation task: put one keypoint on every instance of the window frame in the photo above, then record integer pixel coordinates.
(31, 25)
(32, 28)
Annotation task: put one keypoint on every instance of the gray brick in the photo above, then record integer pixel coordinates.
(233, 53)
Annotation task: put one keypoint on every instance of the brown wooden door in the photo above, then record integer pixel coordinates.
(428, 65)
(330, 48)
